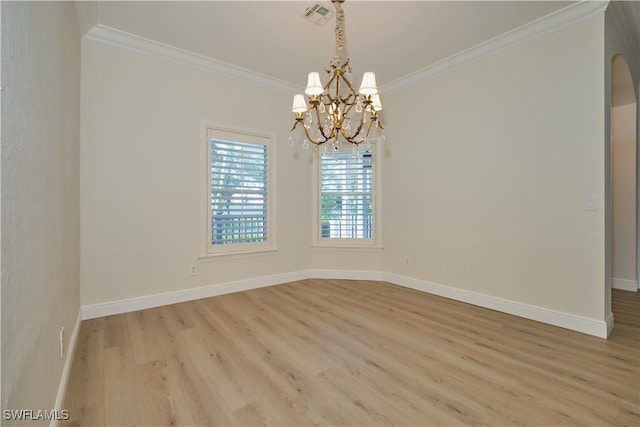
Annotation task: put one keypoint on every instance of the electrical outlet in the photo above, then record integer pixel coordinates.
(591, 203)
(62, 342)
(193, 269)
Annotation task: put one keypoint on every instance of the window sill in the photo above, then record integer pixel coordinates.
(223, 256)
(347, 248)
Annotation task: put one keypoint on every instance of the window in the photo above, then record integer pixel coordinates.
(347, 199)
(238, 191)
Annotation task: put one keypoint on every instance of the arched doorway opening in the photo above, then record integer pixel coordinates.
(624, 177)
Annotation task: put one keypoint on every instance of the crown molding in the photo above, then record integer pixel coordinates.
(121, 39)
(571, 15)
(563, 18)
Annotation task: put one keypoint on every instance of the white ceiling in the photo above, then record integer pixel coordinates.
(392, 38)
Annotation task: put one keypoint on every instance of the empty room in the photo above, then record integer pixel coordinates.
(332, 213)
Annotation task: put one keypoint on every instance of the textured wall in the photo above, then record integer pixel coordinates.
(40, 197)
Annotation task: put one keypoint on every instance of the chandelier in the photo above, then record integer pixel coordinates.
(335, 113)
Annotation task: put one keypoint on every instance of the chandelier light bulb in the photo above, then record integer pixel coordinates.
(368, 86)
(299, 104)
(314, 86)
(375, 102)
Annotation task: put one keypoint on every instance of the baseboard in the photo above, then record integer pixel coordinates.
(527, 311)
(66, 371)
(624, 284)
(609, 321)
(93, 311)
(347, 274)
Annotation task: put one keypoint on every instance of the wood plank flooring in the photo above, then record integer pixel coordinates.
(335, 352)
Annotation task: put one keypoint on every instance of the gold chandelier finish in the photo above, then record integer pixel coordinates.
(336, 113)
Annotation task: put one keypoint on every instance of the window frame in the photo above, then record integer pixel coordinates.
(373, 243)
(208, 250)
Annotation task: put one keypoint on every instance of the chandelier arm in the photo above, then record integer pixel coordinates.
(359, 129)
(330, 98)
(345, 136)
(311, 140)
(350, 98)
(338, 87)
(328, 85)
(346, 111)
(371, 122)
(327, 91)
(319, 119)
(299, 120)
(351, 139)
(349, 105)
(352, 92)
(354, 135)
(375, 116)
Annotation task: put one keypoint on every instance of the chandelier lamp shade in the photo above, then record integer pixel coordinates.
(333, 113)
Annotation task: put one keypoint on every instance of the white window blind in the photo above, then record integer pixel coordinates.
(239, 192)
(346, 195)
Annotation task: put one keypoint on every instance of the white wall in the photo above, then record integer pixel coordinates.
(40, 197)
(140, 175)
(488, 168)
(486, 195)
(623, 157)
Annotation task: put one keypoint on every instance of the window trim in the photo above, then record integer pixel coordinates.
(207, 250)
(375, 242)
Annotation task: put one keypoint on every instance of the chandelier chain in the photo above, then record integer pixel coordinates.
(338, 58)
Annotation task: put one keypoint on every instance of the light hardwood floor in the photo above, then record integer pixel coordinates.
(335, 352)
